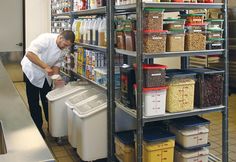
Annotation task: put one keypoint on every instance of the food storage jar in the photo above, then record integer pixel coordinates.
(154, 41)
(215, 23)
(195, 41)
(129, 40)
(175, 41)
(208, 87)
(120, 39)
(153, 75)
(215, 43)
(214, 33)
(193, 18)
(153, 19)
(174, 24)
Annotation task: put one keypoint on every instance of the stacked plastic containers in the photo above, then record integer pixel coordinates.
(70, 103)
(180, 94)
(154, 89)
(215, 30)
(91, 125)
(154, 38)
(57, 109)
(191, 139)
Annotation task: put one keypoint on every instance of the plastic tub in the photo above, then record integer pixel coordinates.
(91, 123)
(129, 40)
(199, 155)
(124, 146)
(192, 27)
(214, 33)
(208, 88)
(205, 1)
(190, 131)
(158, 146)
(174, 24)
(180, 93)
(154, 100)
(153, 19)
(153, 75)
(175, 41)
(215, 23)
(57, 109)
(193, 18)
(70, 103)
(127, 80)
(154, 41)
(215, 43)
(120, 39)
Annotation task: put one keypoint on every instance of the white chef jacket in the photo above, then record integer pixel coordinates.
(45, 47)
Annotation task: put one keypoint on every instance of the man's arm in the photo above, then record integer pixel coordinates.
(35, 59)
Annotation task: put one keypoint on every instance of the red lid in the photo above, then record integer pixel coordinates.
(152, 88)
(155, 31)
(196, 24)
(152, 66)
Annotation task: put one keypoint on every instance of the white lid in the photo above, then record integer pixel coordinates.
(191, 154)
(63, 91)
(91, 104)
(96, 24)
(86, 93)
(194, 131)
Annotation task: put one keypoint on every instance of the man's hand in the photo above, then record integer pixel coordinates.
(49, 71)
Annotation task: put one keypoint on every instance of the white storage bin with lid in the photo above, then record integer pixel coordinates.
(70, 103)
(191, 137)
(57, 109)
(191, 156)
(154, 100)
(91, 123)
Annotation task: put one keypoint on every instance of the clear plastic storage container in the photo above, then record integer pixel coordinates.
(194, 18)
(215, 43)
(153, 19)
(209, 87)
(215, 23)
(153, 75)
(205, 1)
(129, 40)
(195, 41)
(214, 33)
(180, 93)
(154, 41)
(154, 100)
(198, 155)
(120, 39)
(124, 146)
(174, 24)
(190, 132)
(175, 41)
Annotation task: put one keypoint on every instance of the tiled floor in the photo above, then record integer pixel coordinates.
(65, 153)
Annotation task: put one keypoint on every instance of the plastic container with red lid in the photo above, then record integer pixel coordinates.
(154, 100)
(153, 75)
(193, 18)
(154, 41)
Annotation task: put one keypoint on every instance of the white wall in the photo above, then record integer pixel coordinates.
(38, 18)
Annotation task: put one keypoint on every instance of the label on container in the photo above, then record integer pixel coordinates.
(177, 26)
(156, 38)
(178, 37)
(197, 30)
(157, 74)
(197, 19)
(216, 35)
(155, 17)
(216, 44)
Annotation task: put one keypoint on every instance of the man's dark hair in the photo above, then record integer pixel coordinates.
(68, 35)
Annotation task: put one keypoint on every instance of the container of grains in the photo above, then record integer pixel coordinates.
(208, 87)
(174, 24)
(215, 23)
(215, 43)
(154, 41)
(129, 40)
(153, 19)
(175, 41)
(120, 39)
(193, 18)
(192, 27)
(180, 93)
(214, 33)
(153, 75)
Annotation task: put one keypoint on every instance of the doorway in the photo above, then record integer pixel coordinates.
(12, 37)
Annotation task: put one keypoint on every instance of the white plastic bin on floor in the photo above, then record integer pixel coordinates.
(91, 122)
(192, 156)
(70, 103)
(57, 115)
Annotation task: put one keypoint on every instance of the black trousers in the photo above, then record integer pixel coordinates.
(33, 94)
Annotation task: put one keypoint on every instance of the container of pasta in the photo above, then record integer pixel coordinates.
(175, 41)
(153, 19)
(180, 93)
